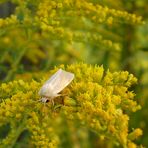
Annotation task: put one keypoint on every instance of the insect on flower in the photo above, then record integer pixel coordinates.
(56, 83)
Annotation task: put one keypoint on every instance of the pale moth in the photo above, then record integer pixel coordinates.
(55, 84)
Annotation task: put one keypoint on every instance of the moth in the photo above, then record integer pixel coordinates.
(54, 85)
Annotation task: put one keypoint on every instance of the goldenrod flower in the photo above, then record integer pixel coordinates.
(95, 100)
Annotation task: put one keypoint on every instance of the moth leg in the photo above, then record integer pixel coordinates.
(52, 101)
(38, 100)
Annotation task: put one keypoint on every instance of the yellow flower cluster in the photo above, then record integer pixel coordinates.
(66, 19)
(78, 9)
(36, 32)
(13, 104)
(10, 21)
(56, 19)
(43, 134)
(95, 100)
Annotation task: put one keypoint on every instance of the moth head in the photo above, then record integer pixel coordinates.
(44, 99)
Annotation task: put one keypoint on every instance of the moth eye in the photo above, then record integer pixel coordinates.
(47, 101)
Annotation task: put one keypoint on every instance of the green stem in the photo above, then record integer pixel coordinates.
(15, 65)
(11, 139)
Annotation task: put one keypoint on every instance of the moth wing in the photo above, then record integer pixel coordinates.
(63, 79)
(47, 88)
(56, 83)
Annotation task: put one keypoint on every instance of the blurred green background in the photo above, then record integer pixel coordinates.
(35, 38)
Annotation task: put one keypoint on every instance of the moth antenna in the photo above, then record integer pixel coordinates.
(36, 100)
